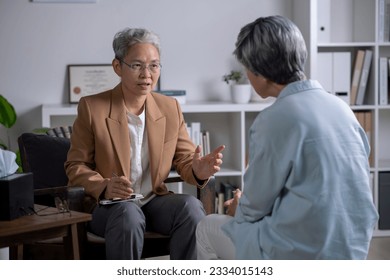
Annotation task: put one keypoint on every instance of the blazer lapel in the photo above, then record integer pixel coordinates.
(117, 127)
(155, 127)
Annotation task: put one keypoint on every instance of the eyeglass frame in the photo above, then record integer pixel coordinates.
(143, 66)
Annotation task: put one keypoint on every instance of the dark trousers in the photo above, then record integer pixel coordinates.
(123, 225)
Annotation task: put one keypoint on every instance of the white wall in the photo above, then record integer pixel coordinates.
(38, 41)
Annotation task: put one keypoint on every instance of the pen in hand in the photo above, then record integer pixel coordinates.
(119, 187)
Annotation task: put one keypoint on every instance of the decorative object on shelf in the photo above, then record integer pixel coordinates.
(240, 93)
(234, 77)
(240, 90)
(180, 95)
(90, 79)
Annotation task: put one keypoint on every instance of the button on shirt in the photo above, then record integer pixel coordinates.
(140, 177)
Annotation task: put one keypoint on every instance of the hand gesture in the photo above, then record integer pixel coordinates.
(231, 204)
(206, 166)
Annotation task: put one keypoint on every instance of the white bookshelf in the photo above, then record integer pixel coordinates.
(227, 123)
(352, 25)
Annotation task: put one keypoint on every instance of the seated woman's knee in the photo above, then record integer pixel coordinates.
(129, 216)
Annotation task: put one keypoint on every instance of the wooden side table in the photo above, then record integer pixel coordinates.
(45, 224)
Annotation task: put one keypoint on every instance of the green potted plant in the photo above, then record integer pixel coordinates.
(240, 90)
(7, 119)
(234, 77)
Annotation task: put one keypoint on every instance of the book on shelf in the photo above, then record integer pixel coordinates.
(364, 77)
(342, 76)
(334, 73)
(179, 95)
(384, 20)
(357, 70)
(199, 136)
(365, 120)
(206, 142)
(384, 65)
(195, 133)
(223, 193)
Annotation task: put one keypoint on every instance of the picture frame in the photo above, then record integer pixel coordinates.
(88, 79)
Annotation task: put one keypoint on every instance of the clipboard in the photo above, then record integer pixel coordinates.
(133, 197)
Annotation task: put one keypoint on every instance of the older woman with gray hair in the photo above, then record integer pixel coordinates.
(125, 141)
(306, 192)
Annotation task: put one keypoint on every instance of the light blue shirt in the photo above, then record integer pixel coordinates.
(306, 190)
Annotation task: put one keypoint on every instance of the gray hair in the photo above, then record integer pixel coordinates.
(274, 48)
(128, 37)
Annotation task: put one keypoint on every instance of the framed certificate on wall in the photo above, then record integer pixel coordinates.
(64, 1)
(90, 79)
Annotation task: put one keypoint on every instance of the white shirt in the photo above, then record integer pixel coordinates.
(140, 177)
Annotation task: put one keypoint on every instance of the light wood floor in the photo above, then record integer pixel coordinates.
(379, 249)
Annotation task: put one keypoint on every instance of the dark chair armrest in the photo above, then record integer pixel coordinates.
(75, 198)
(206, 195)
(51, 191)
(73, 194)
(173, 179)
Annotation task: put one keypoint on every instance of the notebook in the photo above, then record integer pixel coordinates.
(134, 196)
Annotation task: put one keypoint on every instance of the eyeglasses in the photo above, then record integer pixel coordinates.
(138, 67)
(61, 207)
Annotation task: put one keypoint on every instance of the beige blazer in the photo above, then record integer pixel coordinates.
(100, 142)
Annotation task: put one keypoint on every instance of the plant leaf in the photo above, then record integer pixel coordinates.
(7, 113)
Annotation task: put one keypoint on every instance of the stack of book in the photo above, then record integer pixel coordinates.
(223, 193)
(180, 95)
(334, 73)
(361, 73)
(199, 136)
(365, 120)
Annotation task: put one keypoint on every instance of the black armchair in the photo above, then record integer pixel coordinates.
(44, 156)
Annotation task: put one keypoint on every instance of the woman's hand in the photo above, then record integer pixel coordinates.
(206, 166)
(118, 187)
(231, 204)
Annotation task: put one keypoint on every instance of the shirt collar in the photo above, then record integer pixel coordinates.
(299, 86)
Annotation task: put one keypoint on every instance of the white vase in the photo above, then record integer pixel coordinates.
(240, 93)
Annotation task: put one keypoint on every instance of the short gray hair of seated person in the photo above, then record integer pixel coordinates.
(274, 48)
(128, 37)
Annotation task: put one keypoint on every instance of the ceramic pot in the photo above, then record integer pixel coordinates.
(240, 94)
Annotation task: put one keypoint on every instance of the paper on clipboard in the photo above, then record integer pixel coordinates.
(134, 196)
